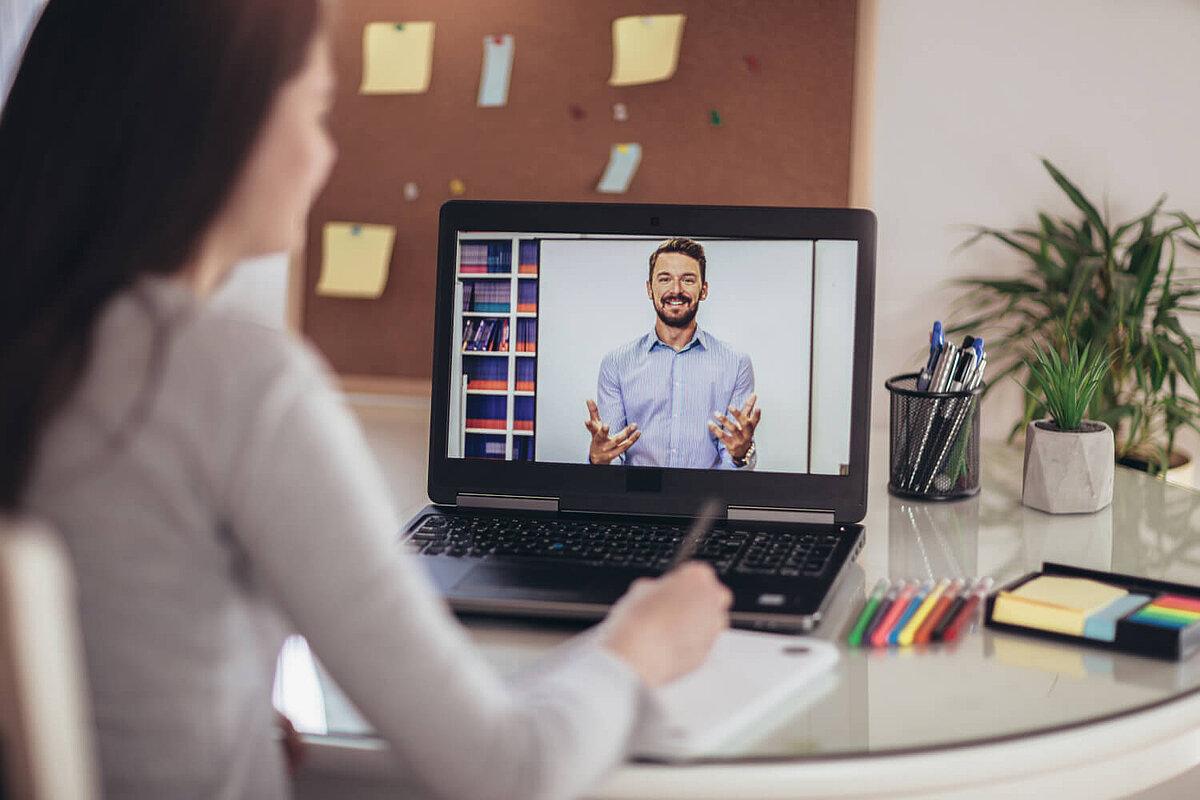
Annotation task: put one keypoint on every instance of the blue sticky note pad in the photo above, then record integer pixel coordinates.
(497, 68)
(1102, 625)
(622, 166)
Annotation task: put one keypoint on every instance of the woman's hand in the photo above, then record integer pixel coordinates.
(664, 627)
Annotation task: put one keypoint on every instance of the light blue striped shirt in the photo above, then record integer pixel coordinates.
(672, 396)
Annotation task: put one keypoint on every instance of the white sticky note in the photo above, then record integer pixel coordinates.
(497, 69)
(397, 57)
(355, 259)
(620, 112)
(411, 192)
(623, 162)
(645, 49)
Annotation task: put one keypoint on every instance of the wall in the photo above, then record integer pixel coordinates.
(969, 95)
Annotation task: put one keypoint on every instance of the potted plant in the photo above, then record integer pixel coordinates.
(1068, 459)
(1117, 287)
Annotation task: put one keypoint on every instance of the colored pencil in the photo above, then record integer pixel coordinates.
(880, 637)
(864, 619)
(913, 605)
(966, 614)
(881, 612)
(910, 630)
(925, 632)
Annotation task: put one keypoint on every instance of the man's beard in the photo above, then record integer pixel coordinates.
(680, 322)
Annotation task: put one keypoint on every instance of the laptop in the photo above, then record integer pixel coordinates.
(603, 370)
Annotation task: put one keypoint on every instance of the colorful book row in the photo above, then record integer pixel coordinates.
(485, 258)
(487, 373)
(528, 257)
(484, 446)
(490, 412)
(526, 374)
(527, 335)
(485, 335)
(491, 296)
(491, 445)
(491, 373)
(527, 296)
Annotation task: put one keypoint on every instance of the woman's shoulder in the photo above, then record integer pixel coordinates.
(207, 341)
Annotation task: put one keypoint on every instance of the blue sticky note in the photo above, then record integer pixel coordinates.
(623, 162)
(497, 69)
(1102, 625)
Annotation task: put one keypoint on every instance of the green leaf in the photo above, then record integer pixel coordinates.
(1078, 199)
(1186, 221)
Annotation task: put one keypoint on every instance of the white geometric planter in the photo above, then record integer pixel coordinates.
(1068, 472)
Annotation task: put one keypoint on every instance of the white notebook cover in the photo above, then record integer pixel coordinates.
(746, 677)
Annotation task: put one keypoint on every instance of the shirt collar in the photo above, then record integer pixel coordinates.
(699, 339)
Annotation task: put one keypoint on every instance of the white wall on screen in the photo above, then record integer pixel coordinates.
(833, 354)
(592, 299)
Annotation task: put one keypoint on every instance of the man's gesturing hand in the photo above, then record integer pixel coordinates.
(737, 430)
(605, 448)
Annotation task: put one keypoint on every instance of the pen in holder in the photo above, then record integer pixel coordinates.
(934, 441)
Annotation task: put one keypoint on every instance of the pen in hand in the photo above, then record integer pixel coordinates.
(700, 528)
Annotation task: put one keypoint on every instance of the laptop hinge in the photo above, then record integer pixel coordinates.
(756, 514)
(506, 501)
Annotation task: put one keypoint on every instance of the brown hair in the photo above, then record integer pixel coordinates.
(125, 129)
(689, 247)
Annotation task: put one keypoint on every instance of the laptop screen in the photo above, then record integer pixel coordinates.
(670, 351)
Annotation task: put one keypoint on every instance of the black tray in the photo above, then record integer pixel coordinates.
(1145, 640)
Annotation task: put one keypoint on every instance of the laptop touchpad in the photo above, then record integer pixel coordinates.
(533, 581)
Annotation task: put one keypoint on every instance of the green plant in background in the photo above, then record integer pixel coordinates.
(1116, 288)
(1067, 385)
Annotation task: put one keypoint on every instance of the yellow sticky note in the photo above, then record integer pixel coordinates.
(355, 259)
(1082, 594)
(645, 49)
(1054, 603)
(397, 57)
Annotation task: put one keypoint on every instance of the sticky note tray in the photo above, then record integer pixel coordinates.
(1171, 644)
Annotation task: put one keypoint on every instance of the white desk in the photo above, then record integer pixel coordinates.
(995, 716)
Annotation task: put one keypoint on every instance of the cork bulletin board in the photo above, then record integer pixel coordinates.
(788, 80)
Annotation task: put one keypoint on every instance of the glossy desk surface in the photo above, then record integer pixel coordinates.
(987, 688)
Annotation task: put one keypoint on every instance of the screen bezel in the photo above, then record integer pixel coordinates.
(652, 490)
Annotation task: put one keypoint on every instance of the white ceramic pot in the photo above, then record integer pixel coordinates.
(1068, 472)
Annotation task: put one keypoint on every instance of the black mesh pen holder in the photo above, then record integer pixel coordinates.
(933, 441)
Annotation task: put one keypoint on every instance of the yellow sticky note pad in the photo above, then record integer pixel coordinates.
(397, 57)
(355, 259)
(1082, 594)
(1054, 603)
(645, 49)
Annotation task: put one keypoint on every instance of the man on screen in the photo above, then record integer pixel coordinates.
(691, 394)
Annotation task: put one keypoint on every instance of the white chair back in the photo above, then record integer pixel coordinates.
(46, 740)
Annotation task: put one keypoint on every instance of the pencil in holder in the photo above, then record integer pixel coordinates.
(933, 441)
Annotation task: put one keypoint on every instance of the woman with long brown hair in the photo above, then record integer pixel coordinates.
(212, 488)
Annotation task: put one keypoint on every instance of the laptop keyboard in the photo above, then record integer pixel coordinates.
(618, 544)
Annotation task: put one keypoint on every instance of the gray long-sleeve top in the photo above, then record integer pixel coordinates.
(243, 504)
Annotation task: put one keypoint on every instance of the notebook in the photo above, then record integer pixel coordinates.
(555, 334)
(749, 680)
